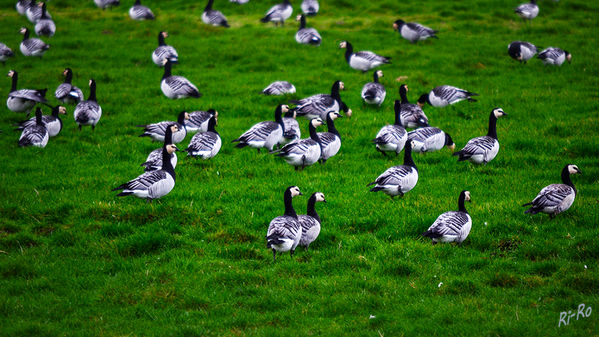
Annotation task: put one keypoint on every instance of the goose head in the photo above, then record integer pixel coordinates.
(498, 112)
(62, 110)
(171, 148)
(294, 191)
(11, 73)
(568, 56)
(319, 196)
(422, 100)
(573, 169)
(316, 122)
(397, 24)
(343, 44)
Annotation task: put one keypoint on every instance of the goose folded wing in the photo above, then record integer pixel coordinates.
(260, 131)
(449, 223)
(63, 90)
(28, 94)
(144, 181)
(326, 138)
(203, 141)
(479, 145)
(552, 195)
(181, 85)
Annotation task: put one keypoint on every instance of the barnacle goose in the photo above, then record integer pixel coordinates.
(52, 122)
(278, 13)
(411, 115)
(140, 12)
(23, 5)
(310, 222)
(198, 120)
(330, 141)
(452, 226)
(279, 88)
(207, 144)
(398, 180)
(429, 139)
(292, 129)
(23, 100)
(413, 31)
(528, 10)
(310, 7)
(213, 17)
(156, 131)
(362, 60)
(483, 149)
(445, 95)
(32, 46)
(36, 134)
(164, 52)
(392, 138)
(521, 51)
(307, 35)
(44, 25)
(34, 11)
(5, 53)
(320, 105)
(374, 92)
(304, 152)
(66, 92)
(154, 160)
(107, 3)
(175, 87)
(555, 198)
(284, 232)
(88, 112)
(554, 56)
(265, 134)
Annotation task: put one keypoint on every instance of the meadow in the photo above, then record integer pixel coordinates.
(75, 260)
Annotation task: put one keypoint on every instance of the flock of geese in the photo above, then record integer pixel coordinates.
(282, 136)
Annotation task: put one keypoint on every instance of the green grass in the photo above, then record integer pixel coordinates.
(76, 260)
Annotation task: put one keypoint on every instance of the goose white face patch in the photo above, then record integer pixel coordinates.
(498, 112)
(320, 196)
(295, 191)
(467, 194)
(573, 169)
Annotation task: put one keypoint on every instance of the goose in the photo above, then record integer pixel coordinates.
(23, 5)
(310, 7)
(310, 222)
(411, 115)
(176, 87)
(330, 142)
(555, 198)
(304, 152)
(45, 26)
(413, 31)
(36, 134)
(374, 92)
(164, 52)
(392, 138)
(52, 122)
(320, 105)
(362, 60)
(66, 92)
(554, 56)
(279, 88)
(157, 131)
(34, 12)
(398, 180)
(23, 100)
(107, 3)
(429, 139)
(205, 145)
(483, 149)
(292, 129)
(154, 160)
(264, 134)
(32, 46)
(521, 51)
(452, 226)
(278, 13)
(198, 120)
(528, 10)
(5, 53)
(140, 12)
(284, 232)
(307, 35)
(88, 112)
(214, 17)
(445, 95)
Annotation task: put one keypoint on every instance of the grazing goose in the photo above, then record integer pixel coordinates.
(34, 12)
(66, 92)
(310, 7)
(413, 31)
(320, 105)
(555, 198)
(362, 60)
(452, 226)
(107, 3)
(45, 26)
(292, 129)
(176, 87)
(398, 180)
(330, 142)
(483, 149)
(32, 46)
(88, 112)
(284, 232)
(528, 10)
(157, 131)
(392, 138)
(310, 222)
(521, 51)
(207, 144)
(52, 122)
(24, 99)
(264, 134)
(279, 88)
(554, 56)
(154, 160)
(411, 115)
(445, 95)
(198, 120)
(429, 139)
(214, 17)
(5, 53)
(140, 12)
(164, 52)
(36, 134)
(304, 152)
(307, 35)
(23, 5)
(374, 92)
(278, 13)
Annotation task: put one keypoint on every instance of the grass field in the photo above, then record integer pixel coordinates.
(75, 260)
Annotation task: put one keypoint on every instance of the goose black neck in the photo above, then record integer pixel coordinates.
(212, 124)
(287, 2)
(313, 133)
(492, 126)
(181, 118)
(349, 50)
(331, 126)
(312, 208)
(566, 178)
(375, 77)
(26, 35)
(15, 78)
(166, 162)
(335, 91)
(302, 22)
(69, 77)
(167, 69)
(168, 135)
(279, 117)
(289, 210)
(92, 91)
(407, 156)
(397, 108)
(55, 111)
(403, 94)
(137, 2)
(461, 201)
(38, 116)
(208, 6)
(161, 39)
(44, 15)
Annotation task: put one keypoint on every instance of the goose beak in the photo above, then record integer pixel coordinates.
(324, 200)
(300, 193)
(452, 147)
(578, 171)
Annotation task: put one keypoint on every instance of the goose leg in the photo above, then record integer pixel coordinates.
(274, 255)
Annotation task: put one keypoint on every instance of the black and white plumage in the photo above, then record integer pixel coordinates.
(453, 226)
(304, 152)
(555, 198)
(88, 112)
(284, 232)
(23, 5)
(413, 31)
(213, 17)
(292, 129)
(392, 138)
(521, 51)
(164, 52)
(528, 10)
(34, 12)
(32, 46)
(445, 95)
(307, 35)
(198, 120)
(362, 60)
(374, 92)
(398, 180)
(140, 12)
(429, 139)
(310, 7)
(107, 3)
(240, 2)
(279, 88)
(66, 92)
(411, 115)
(23, 100)
(310, 222)
(154, 160)
(330, 141)
(5, 53)
(278, 13)
(483, 149)
(45, 26)
(265, 134)
(52, 122)
(207, 144)
(554, 56)
(157, 131)
(176, 87)
(320, 105)
(36, 134)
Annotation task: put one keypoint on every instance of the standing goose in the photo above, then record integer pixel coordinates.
(528, 10)
(483, 149)
(154, 160)
(429, 139)
(36, 134)
(374, 92)
(164, 52)
(198, 120)
(205, 145)
(23, 100)
(279, 88)
(310, 7)
(304, 152)
(264, 134)
(452, 226)
(392, 138)
(140, 12)
(330, 141)
(445, 95)
(213, 17)
(284, 232)
(52, 122)
(411, 115)
(23, 5)
(66, 92)
(554, 56)
(398, 180)
(319, 105)
(555, 198)
(292, 129)
(88, 112)
(310, 222)
(362, 60)
(278, 13)
(521, 51)
(32, 46)
(307, 35)
(45, 26)
(107, 3)
(413, 31)
(34, 11)
(176, 87)
(5, 53)
(157, 131)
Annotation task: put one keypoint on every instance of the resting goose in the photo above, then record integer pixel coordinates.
(307, 35)
(310, 7)
(164, 52)
(52, 122)
(34, 11)
(521, 51)
(319, 105)
(45, 26)
(154, 160)
(156, 131)
(413, 31)
(411, 115)
(304, 152)
(554, 56)
(392, 138)
(213, 17)
(483, 149)
(330, 142)
(528, 10)
(310, 222)
(278, 13)
(32, 46)
(555, 198)
(292, 129)
(88, 112)
(452, 226)
(23, 5)
(362, 60)
(279, 88)
(23, 100)
(140, 12)
(176, 87)
(66, 92)
(284, 232)
(264, 134)
(36, 134)
(445, 95)
(429, 139)
(374, 92)
(107, 3)
(207, 144)
(198, 120)
(398, 180)
(5, 53)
